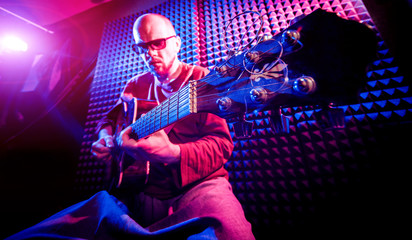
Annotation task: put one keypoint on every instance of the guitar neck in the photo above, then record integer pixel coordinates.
(178, 106)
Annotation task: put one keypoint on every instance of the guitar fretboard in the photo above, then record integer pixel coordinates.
(178, 106)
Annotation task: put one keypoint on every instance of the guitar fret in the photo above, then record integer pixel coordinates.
(157, 118)
(173, 108)
(169, 111)
(143, 127)
(142, 123)
(164, 112)
(154, 119)
(183, 99)
(184, 109)
(173, 116)
(136, 127)
(183, 95)
(134, 130)
(140, 127)
(147, 125)
(163, 122)
(184, 113)
(184, 104)
(151, 122)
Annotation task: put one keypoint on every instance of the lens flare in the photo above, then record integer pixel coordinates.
(10, 43)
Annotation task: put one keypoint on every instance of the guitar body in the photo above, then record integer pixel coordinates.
(125, 171)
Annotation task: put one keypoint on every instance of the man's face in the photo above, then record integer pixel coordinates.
(159, 60)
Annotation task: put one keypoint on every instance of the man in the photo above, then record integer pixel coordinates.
(187, 181)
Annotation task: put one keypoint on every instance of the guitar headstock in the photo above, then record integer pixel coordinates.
(320, 59)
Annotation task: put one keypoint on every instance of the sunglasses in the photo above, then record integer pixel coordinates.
(157, 44)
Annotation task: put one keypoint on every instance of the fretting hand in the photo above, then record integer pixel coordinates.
(155, 148)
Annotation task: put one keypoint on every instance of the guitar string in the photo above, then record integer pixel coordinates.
(152, 119)
(176, 104)
(244, 35)
(214, 77)
(260, 17)
(204, 82)
(210, 98)
(210, 78)
(241, 48)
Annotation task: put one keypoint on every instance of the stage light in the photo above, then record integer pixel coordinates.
(10, 43)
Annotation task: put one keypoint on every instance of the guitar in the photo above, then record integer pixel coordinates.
(318, 60)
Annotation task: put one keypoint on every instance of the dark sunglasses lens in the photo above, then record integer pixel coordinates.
(158, 44)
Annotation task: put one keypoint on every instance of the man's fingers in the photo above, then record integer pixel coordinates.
(124, 138)
(102, 156)
(109, 141)
(101, 152)
(100, 148)
(127, 131)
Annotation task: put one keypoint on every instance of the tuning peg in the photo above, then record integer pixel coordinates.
(266, 37)
(224, 103)
(304, 85)
(290, 37)
(258, 95)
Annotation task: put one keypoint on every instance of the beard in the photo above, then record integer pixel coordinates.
(158, 72)
(160, 69)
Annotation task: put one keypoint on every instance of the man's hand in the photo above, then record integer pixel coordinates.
(155, 148)
(101, 149)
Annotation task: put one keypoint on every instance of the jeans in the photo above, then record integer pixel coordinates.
(209, 210)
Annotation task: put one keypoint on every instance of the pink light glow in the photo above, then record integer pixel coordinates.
(10, 43)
